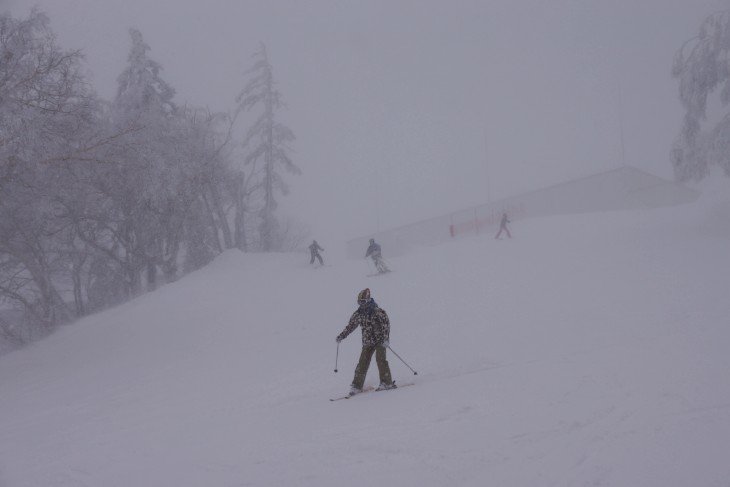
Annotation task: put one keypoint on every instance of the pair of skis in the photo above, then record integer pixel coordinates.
(371, 389)
(378, 274)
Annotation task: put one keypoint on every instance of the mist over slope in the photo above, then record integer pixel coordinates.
(587, 350)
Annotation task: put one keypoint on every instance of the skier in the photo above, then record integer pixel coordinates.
(503, 226)
(314, 251)
(375, 327)
(374, 252)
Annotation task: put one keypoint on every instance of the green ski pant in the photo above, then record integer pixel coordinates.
(362, 366)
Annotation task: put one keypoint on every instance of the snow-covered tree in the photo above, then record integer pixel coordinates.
(202, 152)
(141, 90)
(268, 141)
(46, 113)
(702, 66)
(95, 193)
(140, 183)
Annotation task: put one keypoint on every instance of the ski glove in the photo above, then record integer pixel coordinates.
(386, 343)
(338, 339)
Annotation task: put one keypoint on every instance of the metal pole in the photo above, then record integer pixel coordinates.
(414, 372)
(337, 355)
(621, 126)
(486, 165)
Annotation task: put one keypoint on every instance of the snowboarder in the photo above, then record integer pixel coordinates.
(503, 226)
(375, 326)
(314, 251)
(374, 252)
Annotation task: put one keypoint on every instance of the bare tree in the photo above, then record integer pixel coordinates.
(203, 157)
(45, 104)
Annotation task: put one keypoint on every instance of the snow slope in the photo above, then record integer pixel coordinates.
(587, 350)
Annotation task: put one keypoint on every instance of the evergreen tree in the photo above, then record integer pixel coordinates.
(702, 66)
(267, 141)
(143, 185)
(141, 88)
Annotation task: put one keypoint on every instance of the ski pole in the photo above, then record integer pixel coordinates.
(414, 372)
(337, 355)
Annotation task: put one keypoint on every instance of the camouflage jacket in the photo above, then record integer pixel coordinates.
(373, 322)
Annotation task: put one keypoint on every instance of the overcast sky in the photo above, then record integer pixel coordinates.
(409, 109)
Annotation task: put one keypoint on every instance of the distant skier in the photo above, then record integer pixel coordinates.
(503, 226)
(375, 326)
(374, 252)
(314, 251)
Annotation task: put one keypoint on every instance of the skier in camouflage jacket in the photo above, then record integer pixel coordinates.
(375, 326)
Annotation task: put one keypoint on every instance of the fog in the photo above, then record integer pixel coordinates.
(589, 349)
(405, 110)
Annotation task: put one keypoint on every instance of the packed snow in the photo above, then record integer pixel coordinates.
(587, 350)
